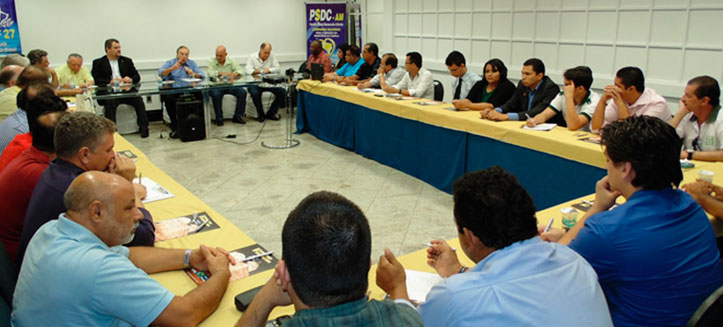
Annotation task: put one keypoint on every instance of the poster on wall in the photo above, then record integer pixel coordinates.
(9, 36)
(326, 22)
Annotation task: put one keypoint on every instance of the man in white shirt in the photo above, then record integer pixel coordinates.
(575, 105)
(393, 74)
(464, 79)
(629, 98)
(418, 82)
(698, 121)
(264, 62)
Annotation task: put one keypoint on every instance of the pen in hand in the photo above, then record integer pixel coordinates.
(549, 225)
(530, 119)
(432, 245)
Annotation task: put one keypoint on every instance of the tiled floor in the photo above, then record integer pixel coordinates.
(255, 187)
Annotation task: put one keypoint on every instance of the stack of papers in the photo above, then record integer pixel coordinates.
(154, 191)
(420, 283)
(541, 127)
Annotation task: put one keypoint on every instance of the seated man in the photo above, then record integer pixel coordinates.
(655, 255)
(263, 62)
(39, 58)
(350, 68)
(18, 179)
(575, 105)
(178, 69)
(697, 121)
(324, 271)
(114, 68)
(17, 122)
(76, 273)
(8, 96)
(464, 78)
(226, 69)
(319, 56)
(389, 69)
(533, 95)
(15, 59)
(73, 77)
(518, 279)
(369, 67)
(417, 82)
(83, 141)
(46, 101)
(629, 97)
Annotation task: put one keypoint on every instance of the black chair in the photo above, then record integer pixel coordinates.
(8, 277)
(438, 91)
(710, 313)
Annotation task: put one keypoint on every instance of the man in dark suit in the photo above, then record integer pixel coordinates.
(534, 93)
(114, 68)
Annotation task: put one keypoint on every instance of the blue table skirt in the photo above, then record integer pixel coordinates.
(439, 155)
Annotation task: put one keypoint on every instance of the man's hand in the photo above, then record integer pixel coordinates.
(189, 71)
(122, 166)
(682, 107)
(569, 91)
(683, 154)
(553, 235)
(176, 66)
(443, 259)
(461, 103)
(140, 191)
(389, 89)
(127, 80)
(483, 113)
(604, 196)
(496, 116)
(380, 71)
(698, 188)
(391, 276)
(266, 70)
(214, 260)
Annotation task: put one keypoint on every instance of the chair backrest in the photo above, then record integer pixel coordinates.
(710, 313)
(302, 67)
(5, 310)
(438, 91)
(8, 276)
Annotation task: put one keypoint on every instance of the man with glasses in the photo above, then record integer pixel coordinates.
(697, 121)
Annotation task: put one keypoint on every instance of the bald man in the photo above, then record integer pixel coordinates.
(226, 70)
(8, 79)
(263, 62)
(77, 273)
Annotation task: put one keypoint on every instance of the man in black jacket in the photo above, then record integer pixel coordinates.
(534, 93)
(114, 68)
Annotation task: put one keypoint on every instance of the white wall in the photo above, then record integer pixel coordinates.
(151, 30)
(670, 40)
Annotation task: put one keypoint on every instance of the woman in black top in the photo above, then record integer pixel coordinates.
(341, 53)
(491, 92)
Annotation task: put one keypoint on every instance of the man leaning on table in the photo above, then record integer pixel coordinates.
(77, 273)
(226, 69)
(533, 95)
(417, 82)
(114, 68)
(388, 69)
(264, 62)
(369, 67)
(627, 97)
(518, 279)
(350, 68)
(324, 270)
(699, 122)
(83, 142)
(73, 77)
(655, 255)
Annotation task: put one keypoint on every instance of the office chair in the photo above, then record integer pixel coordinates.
(438, 91)
(710, 313)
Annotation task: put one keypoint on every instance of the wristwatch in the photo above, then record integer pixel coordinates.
(187, 259)
(690, 155)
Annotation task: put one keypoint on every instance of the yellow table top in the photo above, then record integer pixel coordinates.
(559, 141)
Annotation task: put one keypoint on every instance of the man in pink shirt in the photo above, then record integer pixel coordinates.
(629, 98)
(318, 56)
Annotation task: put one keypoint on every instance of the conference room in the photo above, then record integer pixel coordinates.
(395, 157)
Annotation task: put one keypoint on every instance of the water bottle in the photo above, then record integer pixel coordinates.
(116, 86)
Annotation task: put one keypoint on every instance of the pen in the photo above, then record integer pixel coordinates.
(432, 245)
(140, 178)
(257, 256)
(549, 224)
(530, 119)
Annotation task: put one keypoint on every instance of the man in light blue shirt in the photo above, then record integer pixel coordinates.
(185, 73)
(77, 273)
(353, 62)
(518, 280)
(464, 78)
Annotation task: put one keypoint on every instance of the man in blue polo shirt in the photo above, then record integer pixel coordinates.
(77, 273)
(353, 62)
(655, 255)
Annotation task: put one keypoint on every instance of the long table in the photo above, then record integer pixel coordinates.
(228, 236)
(438, 145)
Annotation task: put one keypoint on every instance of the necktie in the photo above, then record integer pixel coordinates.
(458, 90)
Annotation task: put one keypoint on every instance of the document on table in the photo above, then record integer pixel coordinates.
(541, 127)
(419, 283)
(375, 91)
(154, 191)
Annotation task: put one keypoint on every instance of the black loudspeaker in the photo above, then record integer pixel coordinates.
(191, 122)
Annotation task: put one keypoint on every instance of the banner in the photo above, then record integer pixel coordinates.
(326, 22)
(9, 35)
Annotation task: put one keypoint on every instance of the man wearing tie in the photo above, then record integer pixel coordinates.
(464, 78)
(179, 69)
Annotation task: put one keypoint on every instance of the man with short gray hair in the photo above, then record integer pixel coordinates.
(263, 62)
(73, 75)
(83, 142)
(8, 78)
